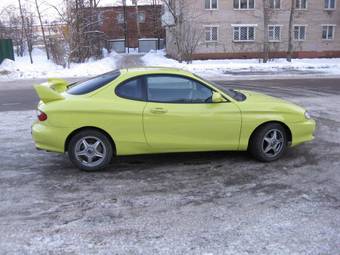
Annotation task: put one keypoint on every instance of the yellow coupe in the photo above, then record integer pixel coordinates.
(160, 110)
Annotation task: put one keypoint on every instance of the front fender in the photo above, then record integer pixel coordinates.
(251, 121)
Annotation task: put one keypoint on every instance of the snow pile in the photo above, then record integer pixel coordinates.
(7, 66)
(230, 67)
(21, 68)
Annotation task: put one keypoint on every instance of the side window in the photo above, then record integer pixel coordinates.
(132, 89)
(175, 89)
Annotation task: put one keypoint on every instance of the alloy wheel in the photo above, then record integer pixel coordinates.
(90, 151)
(273, 143)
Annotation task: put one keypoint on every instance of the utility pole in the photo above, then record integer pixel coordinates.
(42, 29)
(126, 27)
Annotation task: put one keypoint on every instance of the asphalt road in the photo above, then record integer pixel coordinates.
(187, 203)
(20, 95)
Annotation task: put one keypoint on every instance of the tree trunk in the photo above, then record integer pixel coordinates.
(24, 29)
(126, 28)
(265, 32)
(137, 21)
(290, 31)
(42, 29)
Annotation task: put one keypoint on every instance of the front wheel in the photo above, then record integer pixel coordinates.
(90, 150)
(269, 142)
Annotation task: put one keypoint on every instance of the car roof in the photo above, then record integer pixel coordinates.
(154, 70)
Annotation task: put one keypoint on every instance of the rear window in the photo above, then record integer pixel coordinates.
(87, 86)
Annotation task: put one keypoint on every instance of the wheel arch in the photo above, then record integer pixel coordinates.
(287, 130)
(67, 141)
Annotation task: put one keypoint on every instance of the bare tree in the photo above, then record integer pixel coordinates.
(30, 33)
(16, 34)
(25, 31)
(191, 39)
(290, 32)
(69, 38)
(82, 37)
(42, 29)
(184, 32)
(158, 30)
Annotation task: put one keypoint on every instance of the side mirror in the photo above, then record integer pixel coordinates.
(217, 97)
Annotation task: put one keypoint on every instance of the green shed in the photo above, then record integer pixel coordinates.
(6, 49)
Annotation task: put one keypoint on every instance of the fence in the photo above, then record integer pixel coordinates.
(6, 49)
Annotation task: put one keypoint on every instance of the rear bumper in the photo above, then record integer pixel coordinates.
(303, 131)
(49, 138)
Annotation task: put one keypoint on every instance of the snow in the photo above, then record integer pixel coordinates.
(232, 67)
(213, 69)
(132, 51)
(21, 68)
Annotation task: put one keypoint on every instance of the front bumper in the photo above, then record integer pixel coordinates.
(303, 131)
(49, 138)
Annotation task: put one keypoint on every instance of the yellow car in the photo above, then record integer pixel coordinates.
(160, 110)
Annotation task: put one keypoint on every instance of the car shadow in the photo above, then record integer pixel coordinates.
(138, 162)
(124, 163)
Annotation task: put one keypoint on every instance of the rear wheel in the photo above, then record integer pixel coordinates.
(269, 142)
(90, 150)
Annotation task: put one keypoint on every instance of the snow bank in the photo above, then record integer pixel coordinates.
(21, 68)
(226, 68)
(230, 67)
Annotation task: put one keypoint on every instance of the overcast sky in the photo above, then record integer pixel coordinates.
(4, 3)
(50, 13)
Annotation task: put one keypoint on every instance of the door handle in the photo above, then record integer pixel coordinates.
(158, 110)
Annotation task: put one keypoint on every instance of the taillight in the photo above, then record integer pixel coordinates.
(41, 115)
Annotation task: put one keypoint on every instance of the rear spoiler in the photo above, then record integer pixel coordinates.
(50, 90)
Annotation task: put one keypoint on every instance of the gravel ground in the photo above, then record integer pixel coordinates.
(200, 203)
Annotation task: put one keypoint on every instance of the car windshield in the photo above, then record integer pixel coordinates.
(87, 86)
(238, 96)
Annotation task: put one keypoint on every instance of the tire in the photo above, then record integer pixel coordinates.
(269, 142)
(90, 150)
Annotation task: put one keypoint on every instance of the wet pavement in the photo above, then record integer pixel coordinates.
(191, 203)
(277, 71)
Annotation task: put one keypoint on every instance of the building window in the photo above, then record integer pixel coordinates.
(244, 33)
(301, 4)
(244, 4)
(275, 4)
(299, 33)
(120, 18)
(211, 34)
(328, 32)
(329, 4)
(274, 33)
(210, 4)
(141, 17)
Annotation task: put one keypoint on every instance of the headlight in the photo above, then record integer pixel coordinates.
(307, 115)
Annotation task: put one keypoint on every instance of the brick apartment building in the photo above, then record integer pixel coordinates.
(235, 28)
(116, 24)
